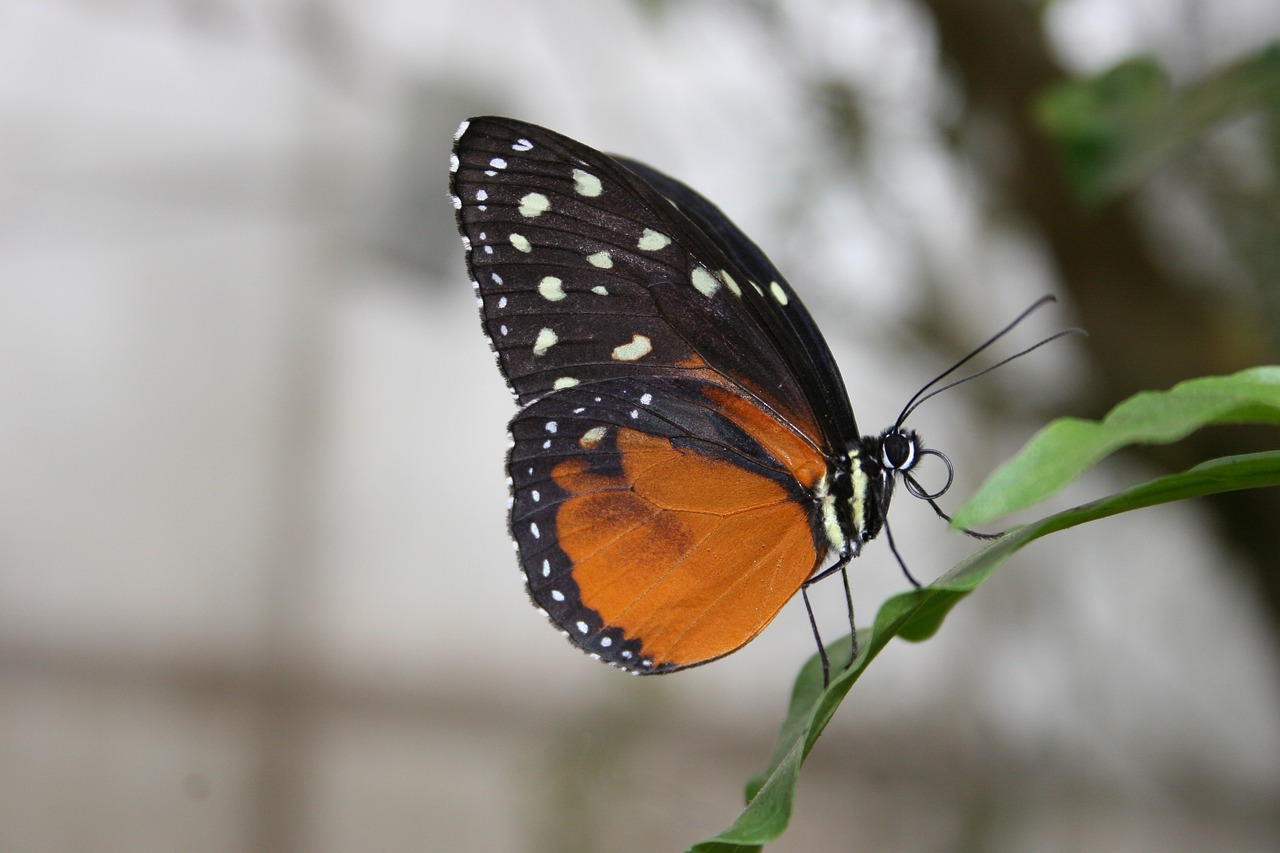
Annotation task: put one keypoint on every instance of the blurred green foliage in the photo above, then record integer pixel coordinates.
(1114, 129)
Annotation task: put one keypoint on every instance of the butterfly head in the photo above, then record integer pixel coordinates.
(899, 450)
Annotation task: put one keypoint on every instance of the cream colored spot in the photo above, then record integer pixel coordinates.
(564, 382)
(639, 347)
(592, 437)
(704, 282)
(551, 288)
(546, 340)
(830, 521)
(757, 287)
(859, 501)
(601, 260)
(730, 283)
(600, 290)
(521, 242)
(652, 241)
(778, 293)
(587, 184)
(534, 204)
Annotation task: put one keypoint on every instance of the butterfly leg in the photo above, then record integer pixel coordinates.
(817, 636)
(840, 566)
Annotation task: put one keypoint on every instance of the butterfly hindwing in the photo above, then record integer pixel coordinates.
(660, 523)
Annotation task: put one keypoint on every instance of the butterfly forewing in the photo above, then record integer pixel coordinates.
(585, 273)
(772, 302)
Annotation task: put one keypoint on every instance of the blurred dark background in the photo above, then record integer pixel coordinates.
(255, 587)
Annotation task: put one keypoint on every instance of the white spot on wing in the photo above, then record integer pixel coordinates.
(582, 627)
(564, 382)
(592, 437)
(646, 399)
(552, 426)
(462, 128)
(521, 242)
(551, 288)
(522, 145)
(547, 338)
(704, 282)
(730, 283)
(600, 290)
(778, 293)
(498, 163)
(533, 528)
(534, 204)
(586, 184)
(601, 260)
(639, 347)
(453, 162)
(557, 595)
(652, 241)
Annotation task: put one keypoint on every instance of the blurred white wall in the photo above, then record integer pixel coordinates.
(255, 587)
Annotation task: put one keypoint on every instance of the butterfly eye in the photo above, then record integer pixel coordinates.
(898, 451)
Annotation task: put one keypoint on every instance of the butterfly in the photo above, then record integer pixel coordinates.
(685, 457)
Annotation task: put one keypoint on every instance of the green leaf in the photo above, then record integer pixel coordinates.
(1066, 448)
(919, 613)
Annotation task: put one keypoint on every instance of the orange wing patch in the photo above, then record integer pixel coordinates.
(690, 555)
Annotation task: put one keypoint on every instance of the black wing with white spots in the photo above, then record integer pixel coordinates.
(584, 272)
(779, 311)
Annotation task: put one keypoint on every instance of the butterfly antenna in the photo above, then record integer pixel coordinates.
(935, 392)
(924, 393)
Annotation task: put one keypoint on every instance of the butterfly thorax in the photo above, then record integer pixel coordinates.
(855, 496)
